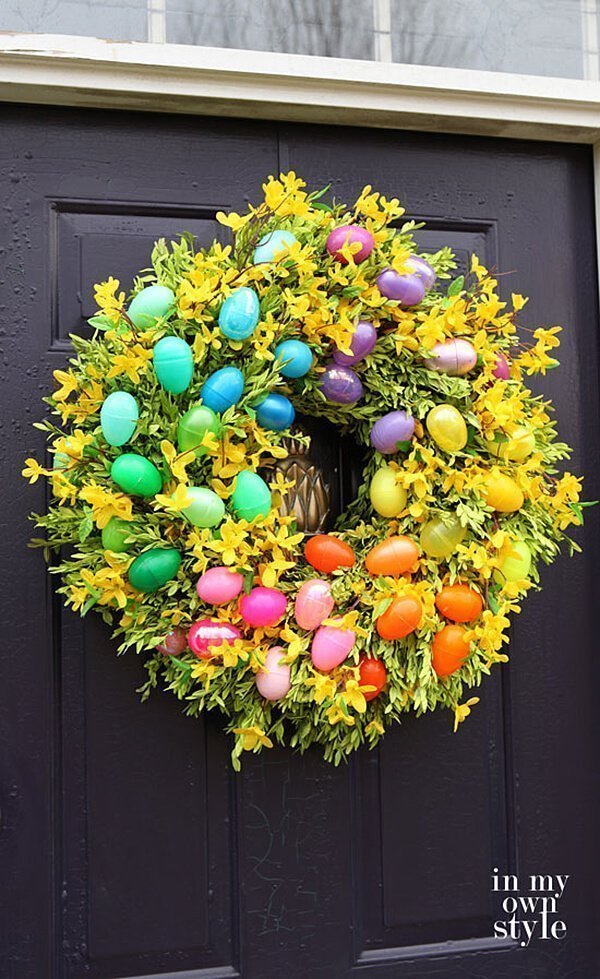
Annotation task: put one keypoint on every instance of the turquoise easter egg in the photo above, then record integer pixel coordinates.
(275, 412)
(193, 426)
(251, 496)
(115, 534)
(297, 357)
(223, 389)
(173, 363)
(151, 304)
(206, 509)
(118, 417)
(152, 569)
(136, 475)
(273, 245)
(239, 314)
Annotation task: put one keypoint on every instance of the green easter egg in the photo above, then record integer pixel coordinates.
(115, 534)
(440, 538)
(152, 569)
(150, 304)
(136, 475)
(251, 496)
(193, 426)
(173, 364)
(206, 509)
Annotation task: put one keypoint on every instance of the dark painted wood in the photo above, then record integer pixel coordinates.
(127, 846)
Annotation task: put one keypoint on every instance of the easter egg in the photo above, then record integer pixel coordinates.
(388, 431)
(173, 364)
(440, 537)
(516, 448)
(275, 412)
(115, 534)
(449, 650)
(408, 290)
(222, 389)
(151, 304)
(206, 509)
(314, 602)
(251, 496)
(330, 647)
(502, 493)
(239, 314)
(273, 246)
(362, 343)
(263, 607)
(394, 556)
(205, 634)
(219, 585)
(371, 673)
(514, 562)
(327, 553)
(296, 357)
(447, 428)
(193, 426)
(387, 496)
(502, 368)
(350, 233)
(453, 357)
(340, 384)
(174, 643)
(136, 475)
(422, 269)
(152, 569)
(273, 681)
(459, 603)
(119, 417)
(400, 619)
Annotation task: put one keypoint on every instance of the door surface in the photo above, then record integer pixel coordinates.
(128, 847)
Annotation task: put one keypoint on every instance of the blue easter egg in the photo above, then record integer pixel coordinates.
(239, 314)
(297, 355)
(173, 363)
(272, 245)
(118, 417)
(222, 389)
(150, 304)
(275, 413)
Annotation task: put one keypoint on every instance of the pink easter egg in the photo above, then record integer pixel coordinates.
(454, 357)
(174, 643)
(351, 233)
(330, 646)
(263, 607)
(313, 603)
(220, 585)
(502, 368)
(210, 632)
(273, 682)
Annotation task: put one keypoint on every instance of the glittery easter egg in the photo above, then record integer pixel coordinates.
(330, 647)
(350, 234)
(314, 602)
(341, 385)
(206, 634)
(219, 585)
(273, 681)
(390, 430)
(362, 343)
(263, 607)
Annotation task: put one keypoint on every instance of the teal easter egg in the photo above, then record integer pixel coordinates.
(239, 314)
(251, 496)
(193, 427)
(273, 245)
(173, 363)
(152, 569)
(136, 475)
(118, 417)
(206, 509)
(223, 389)
(115, 534)
(275, 412)
(297, 357)
(151, 304)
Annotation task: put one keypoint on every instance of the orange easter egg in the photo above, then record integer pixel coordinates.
(400, 619)
(327, 553)
(459, 603)
(450, 649)
(394, 556)
(502, 493)
(372, 673)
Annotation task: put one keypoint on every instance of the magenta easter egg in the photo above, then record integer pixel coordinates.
(263, 607)
(363, 340)
(220, 585)
(388, 431)
(341, 385)
(453, 357)
(273, 681)
(206, 633)
(422, 269)
(314, 603)
(330, 647)
(408, 290)
(502, 368)
(351, 233)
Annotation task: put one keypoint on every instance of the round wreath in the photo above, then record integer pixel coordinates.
(171, 497)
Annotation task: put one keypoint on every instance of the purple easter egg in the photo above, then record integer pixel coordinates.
(340, 384)
(363, 340)
(210, 632)
(453, 357)
(314, 603)
(220, 585)
(396, 426)
(502, 368)
(350, 233)
(330, 647)
(421, 268)
(408, 290)
(263, 607)
(273, 681)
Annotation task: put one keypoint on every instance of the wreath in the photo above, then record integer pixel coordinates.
(186, 511)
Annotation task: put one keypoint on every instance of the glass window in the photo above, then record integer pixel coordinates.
(118, 20)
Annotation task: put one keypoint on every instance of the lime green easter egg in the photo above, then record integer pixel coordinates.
(514, 562)
(387, 497)
(206, 509)
(136, 475)
(150, 304)
(440, 538)
(193, 426)
(152, 569)
(251, 496)
(115, 534)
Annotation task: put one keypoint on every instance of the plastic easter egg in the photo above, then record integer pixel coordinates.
(327, 553)
(205, 634)
(119, 417)
(387, 496)
(502, 493)
(394, 556)
(516, 448)
(173, 364)
(350, 233)
(251, 496)
(330, 647)
(219, 585)
(447, 428)
(459, 603)
(273, 682)
(174, 644)
(136, 475)
(390, 430)
(222, 389)
(273, 246)
(363, 342)
(400, 619)
(297, 358)
(115, 534)
(453, 357)
(502, 368)
(422, 269)
(275, 413)
(239, 314)
(371, 673)
(263, 607)
(408, 290)
(440, 537)
(193, 426)
(314, 602)
(341, 385)
(514, 562)
(206, 509)
(152, 569)
(449, 650)
(151, 304)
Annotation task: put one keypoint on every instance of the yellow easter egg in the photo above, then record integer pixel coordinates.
(514, 562)
(387, 497)
(447, 428)
(502, 493)
(516, 448)
(440, 537)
